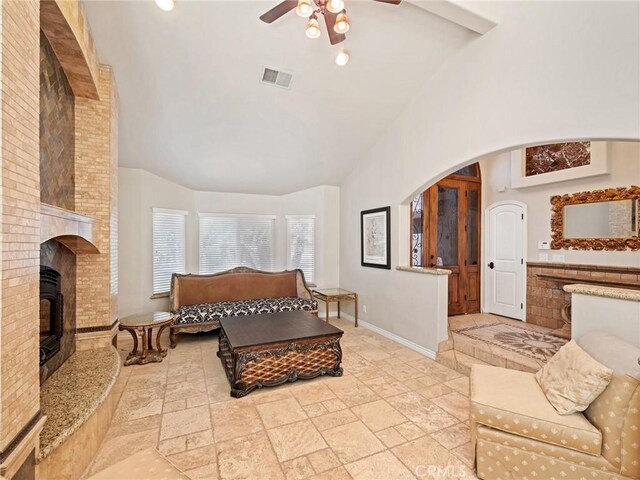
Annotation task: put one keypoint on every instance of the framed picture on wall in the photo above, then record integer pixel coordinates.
(375, 238)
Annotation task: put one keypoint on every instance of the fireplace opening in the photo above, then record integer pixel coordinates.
(51, 313)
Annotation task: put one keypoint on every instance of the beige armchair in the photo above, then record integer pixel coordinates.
(517, 434)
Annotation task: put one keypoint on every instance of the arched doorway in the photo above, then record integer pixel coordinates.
(445, 232)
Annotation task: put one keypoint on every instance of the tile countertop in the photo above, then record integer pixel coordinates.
(609, 292)
(426, 271)
(74, 392)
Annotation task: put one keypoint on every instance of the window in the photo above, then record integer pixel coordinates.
(301, 245)
(169, 228)
(229, 241)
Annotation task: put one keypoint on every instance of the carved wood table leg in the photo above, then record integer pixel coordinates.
(134, 352)
(338, 308)
(172, 338)
(158, 344)
(145, 351)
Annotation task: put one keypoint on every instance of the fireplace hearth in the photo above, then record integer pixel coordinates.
(51, 313)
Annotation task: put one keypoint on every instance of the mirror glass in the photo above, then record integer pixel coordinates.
(612, 219)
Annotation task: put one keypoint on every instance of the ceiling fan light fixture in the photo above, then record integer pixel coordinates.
(335, 6)
(166, 5)
(343, 57)
(313, 28)
(304, 8)
(342, 23)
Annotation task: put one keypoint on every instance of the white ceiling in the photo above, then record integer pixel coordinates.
(192, 109)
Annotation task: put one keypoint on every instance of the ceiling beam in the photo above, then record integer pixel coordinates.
(477, 16)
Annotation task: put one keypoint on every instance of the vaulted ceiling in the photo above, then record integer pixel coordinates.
(192, 109)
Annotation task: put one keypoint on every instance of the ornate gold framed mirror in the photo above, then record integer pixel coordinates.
(597, 220)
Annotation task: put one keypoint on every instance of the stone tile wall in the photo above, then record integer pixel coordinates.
(57, 125)
(546, 297)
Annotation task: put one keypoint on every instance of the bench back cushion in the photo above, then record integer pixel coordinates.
(231, 286)
(616, 412)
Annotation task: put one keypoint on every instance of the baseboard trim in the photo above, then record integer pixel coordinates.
(392, 336)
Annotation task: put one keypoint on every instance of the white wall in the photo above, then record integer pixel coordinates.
(624, 171)
(140, 191)
(549, 71)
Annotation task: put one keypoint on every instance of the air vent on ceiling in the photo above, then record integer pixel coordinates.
(281, 79)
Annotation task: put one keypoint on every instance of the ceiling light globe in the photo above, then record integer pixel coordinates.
(304, 8)
(342, 23)
(313, 28)
(342, 58)
(335, 6)
(166, 5)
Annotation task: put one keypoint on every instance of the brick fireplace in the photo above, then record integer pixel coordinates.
(58, 167)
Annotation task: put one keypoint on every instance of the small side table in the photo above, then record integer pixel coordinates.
(143, 324)
(337, 295)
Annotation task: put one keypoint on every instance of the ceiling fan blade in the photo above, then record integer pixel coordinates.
(330, 20)
(278, 11)
(393, 2)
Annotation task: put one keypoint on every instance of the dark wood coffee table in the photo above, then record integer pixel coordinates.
(273, 348)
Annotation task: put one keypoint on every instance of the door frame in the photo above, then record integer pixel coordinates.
(485, 244)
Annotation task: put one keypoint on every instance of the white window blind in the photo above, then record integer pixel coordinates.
(114, 254)
(301, 244)
(229, 241)
(169, 227)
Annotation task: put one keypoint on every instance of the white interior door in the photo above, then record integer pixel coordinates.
(504, 264)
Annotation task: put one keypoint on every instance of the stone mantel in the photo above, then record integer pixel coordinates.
(607, 292)
(75, 231)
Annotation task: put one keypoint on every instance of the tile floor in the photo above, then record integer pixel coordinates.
(394, 414)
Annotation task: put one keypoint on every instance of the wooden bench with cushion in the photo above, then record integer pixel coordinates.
(198, 302)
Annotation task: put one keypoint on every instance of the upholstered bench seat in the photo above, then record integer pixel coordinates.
(512, 401)
(210, 312)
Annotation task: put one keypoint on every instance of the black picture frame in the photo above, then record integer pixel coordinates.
(373, 218)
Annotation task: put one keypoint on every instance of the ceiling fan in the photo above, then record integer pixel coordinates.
(335, 16)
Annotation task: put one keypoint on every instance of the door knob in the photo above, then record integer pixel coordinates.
(491, 265)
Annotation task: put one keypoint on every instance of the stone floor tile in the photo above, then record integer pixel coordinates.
(323, 460)
(234, 419)
(422, 412)
(380, 465)
(378, 415)
(195, 458)
(295, 440)
(453, 437)
(455, 404)
(460, 385)
(352, 441)
(314, 392)
(281, 412)
(297, 469)
(331, 420)
(248, 457)
(390, 437)
(183, 422)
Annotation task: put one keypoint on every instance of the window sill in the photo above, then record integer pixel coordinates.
(159, 295)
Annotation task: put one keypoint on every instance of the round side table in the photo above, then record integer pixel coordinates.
(143, 325)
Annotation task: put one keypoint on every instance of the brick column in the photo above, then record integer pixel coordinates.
(95, 195)
(20, 203)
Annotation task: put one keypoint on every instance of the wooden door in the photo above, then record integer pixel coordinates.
(452, 238)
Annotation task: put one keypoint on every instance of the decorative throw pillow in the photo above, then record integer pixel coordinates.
(572, 379)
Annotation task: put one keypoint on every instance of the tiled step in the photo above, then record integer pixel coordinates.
(459, 354)
(458, 361)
